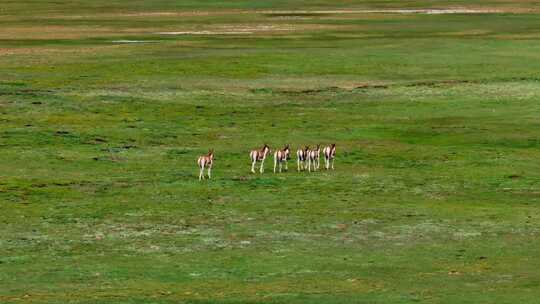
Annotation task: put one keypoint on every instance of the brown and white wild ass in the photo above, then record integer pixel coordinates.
(314, 157)
(301, 157)
(259, 155)
(206, 161)
(329, 155)
(280, 157)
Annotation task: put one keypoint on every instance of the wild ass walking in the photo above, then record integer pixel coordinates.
(314, 157)
(280, 157)
(301, 157)
(259, 155)
(329, 155)
(206, 161)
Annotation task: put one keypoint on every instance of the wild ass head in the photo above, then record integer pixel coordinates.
(265, 150)
(287, 152)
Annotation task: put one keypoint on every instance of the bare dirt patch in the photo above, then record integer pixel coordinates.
(428, 11)
(300, 14)
(134, 41)
(233, 30)
(205, 33)
(249, 29)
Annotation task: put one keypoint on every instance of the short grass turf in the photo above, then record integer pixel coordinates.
(436, 119)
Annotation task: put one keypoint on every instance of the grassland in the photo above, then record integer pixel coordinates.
(436, 118)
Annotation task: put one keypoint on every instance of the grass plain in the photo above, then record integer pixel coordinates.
(103, 112)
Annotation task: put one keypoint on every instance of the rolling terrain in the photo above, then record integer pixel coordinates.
(106, 105)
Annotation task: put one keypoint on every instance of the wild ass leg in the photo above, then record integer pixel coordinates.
(332, 164)
(275, 163)
(201, 173)
(210, 172)
(286, 166)
(253, 166)
(262, 166)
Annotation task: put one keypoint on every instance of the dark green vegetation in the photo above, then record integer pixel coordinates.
(436, 119)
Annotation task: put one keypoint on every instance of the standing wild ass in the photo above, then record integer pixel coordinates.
(301, 157)
(206, 161)
(329, 155)
(259, 155)
(314, 157)
(280, 157)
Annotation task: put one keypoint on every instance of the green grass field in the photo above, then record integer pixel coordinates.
(104, 111)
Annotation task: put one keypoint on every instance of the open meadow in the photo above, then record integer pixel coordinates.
(106, 105)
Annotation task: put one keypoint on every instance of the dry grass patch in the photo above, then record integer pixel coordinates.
(474, 32)
(52, 51)
(524, 36)
(67, 32)
(158, 14)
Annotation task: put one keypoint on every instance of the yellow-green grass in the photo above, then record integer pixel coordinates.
(436, 119)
